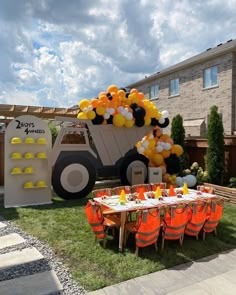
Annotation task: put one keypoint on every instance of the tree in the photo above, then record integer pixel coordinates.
(178, 131)
(54, 132)
(216, 147)
(178, 136)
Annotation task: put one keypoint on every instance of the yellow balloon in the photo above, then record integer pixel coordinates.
(177, 149)
(148, 153)
(129, 123)
(91, 115)
(84, 103)
(152, 143)
(157, 159)
(82, 115)
(118, 120)
(112, 88)
(165, 154)
(100, 111)
(147, 121)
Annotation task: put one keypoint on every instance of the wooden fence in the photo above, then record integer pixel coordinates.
(229, 194)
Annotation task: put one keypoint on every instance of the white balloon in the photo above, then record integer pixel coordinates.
(159, 148)
(140, 149)
(129, 116)
(165, 114)
(162, 143)
(179, 181)
(151, 136)
(120, 109)
(145, 144)
(161, 120)
(106, 116)
(111, 111)
(85, 110)
(190, 180)
(167, 146)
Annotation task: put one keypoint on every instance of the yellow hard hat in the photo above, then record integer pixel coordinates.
(28, 170)
(28, 184)
(41, 140)
(41, 183)
(16, 140)
(41, 155)
(16, 170)
(28, 155)
(16, 155)
(29, 140)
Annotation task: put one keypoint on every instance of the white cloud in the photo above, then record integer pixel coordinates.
(54, 53)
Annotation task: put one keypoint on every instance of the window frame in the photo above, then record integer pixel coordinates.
(154, 86)
(176, 90)
(211, 78)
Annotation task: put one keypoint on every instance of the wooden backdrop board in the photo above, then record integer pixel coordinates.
(15, 195)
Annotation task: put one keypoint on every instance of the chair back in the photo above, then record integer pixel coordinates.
(95, 218)
(175, 220)
(117, 190)
(145, 186)
(101, 192)
(154, 186)
(216, 212)
(148, 227)
(198, 215)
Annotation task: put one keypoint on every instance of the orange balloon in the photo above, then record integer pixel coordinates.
(140, 95)
(103, 98)
(94, 102)
(114, 96)
(165, 154)
(166, 177)
(133, 90)
(112, 88)
(121, 93)
(102, 93)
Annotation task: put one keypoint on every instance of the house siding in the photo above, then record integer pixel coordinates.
(194, 102)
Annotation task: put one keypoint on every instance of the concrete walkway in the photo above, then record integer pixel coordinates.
(40, 283)
(214, 275)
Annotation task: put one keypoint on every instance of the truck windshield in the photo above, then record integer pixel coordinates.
(74, 137)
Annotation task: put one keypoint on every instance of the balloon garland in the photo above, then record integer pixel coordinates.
(120, 107)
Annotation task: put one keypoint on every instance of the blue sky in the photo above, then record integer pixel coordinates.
(57, 52)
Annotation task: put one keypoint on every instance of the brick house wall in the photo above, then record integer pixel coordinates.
(194, 102)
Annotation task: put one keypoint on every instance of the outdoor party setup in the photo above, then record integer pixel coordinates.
(117, 134)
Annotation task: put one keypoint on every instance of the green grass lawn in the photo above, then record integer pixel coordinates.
(64, 226)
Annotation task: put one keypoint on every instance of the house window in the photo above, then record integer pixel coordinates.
(174, 87)
(154, 89)
(210, 77)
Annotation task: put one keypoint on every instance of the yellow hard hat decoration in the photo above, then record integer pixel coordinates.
(16, 155)
(41, 183)
(41, 140)
(28, 155)
(28, 184)
(29, 140)
(16, 140)
(16, 170)
(41, 155)
(28, 170)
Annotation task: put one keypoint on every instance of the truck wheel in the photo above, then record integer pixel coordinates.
(130, 161)
(73, 177)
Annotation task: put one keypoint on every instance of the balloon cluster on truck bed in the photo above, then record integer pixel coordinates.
(122, 108)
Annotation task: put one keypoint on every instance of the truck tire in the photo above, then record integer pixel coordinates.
(73, 177)
(129, 161)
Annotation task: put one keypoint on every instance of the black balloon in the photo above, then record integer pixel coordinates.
(139, 122)
(172, 164)
(154, 122)
(109, 121)
(139, 113)
(165, 124)
(133, 106)
(127, 94)
(98, 120)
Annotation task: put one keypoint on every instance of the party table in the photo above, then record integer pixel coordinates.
(113, 203)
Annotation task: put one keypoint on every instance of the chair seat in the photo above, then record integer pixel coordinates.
(111, 221)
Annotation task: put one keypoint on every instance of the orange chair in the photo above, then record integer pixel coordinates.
(117, 190)
(154, 186)
(174, 222)
(197, 218)
(98, 222)
(216, 211)
(146, 228)
(101, 192)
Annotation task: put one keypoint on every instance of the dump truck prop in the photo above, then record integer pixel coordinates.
(80, 155)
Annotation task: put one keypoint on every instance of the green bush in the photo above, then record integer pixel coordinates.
(216, 148)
